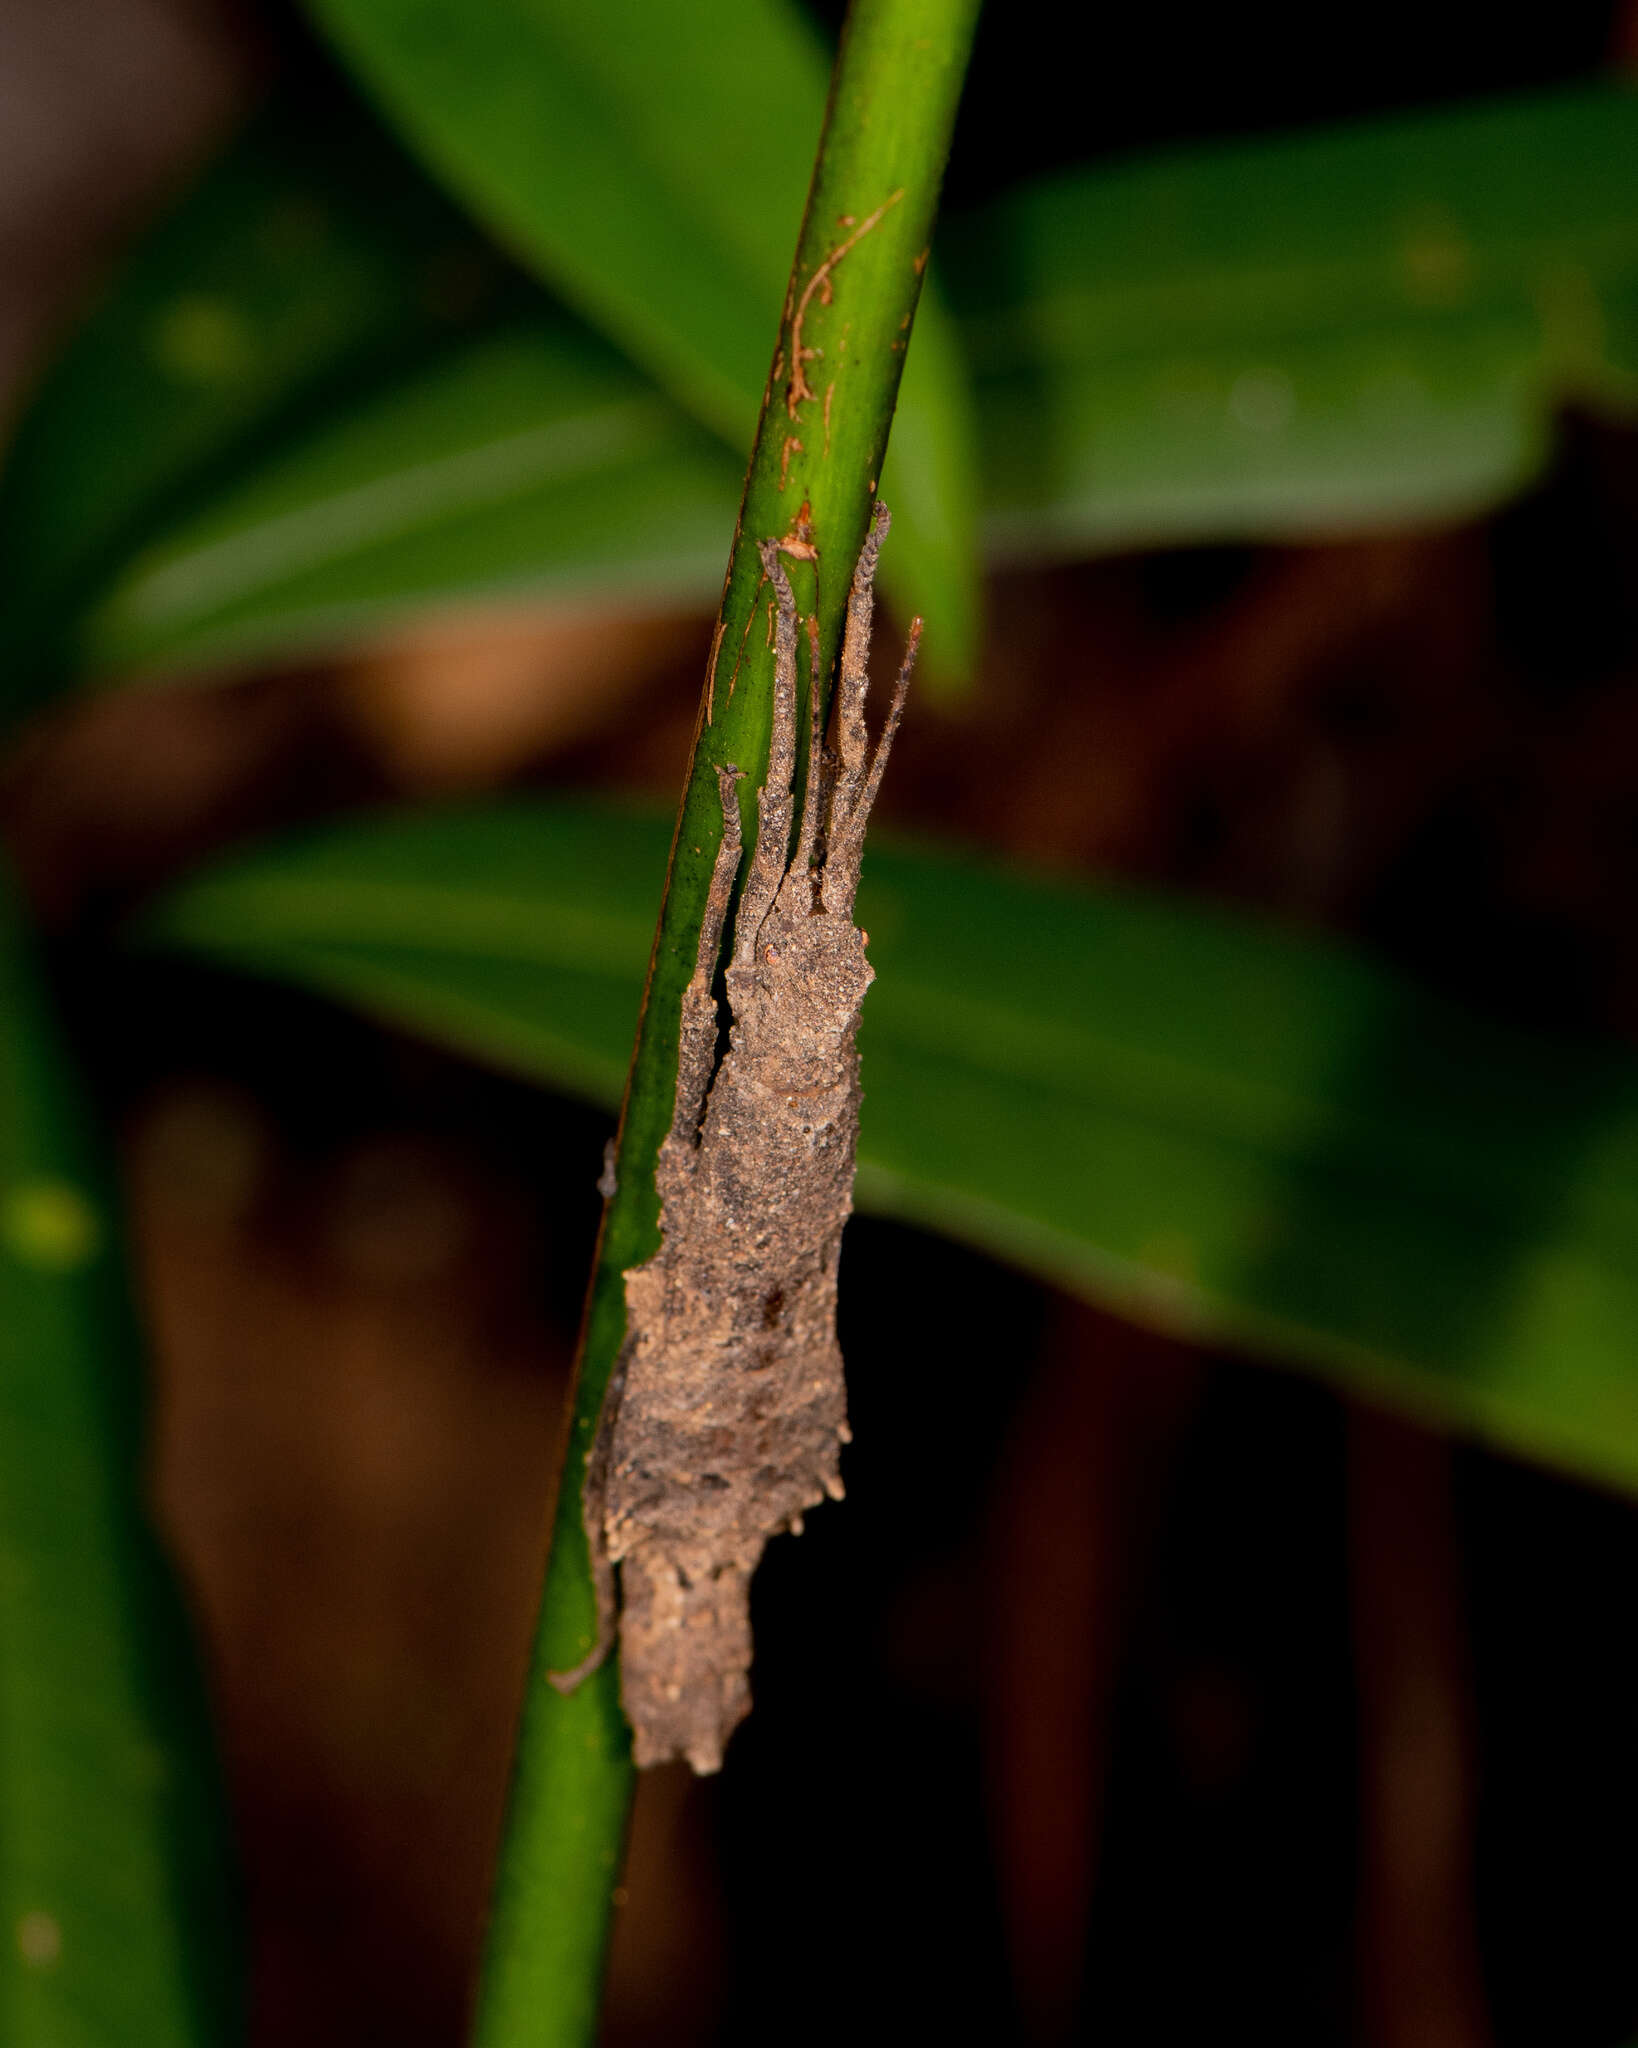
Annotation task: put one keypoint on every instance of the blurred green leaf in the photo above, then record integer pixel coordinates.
(533, 462)
(1265, 340)
(1293, 336)
(1207, 1124)
(649, 159)
(309, 263)
(115, 1897)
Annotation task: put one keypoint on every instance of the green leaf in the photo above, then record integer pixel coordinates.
(1202, 1122)
(1301, 335)
(532, 463)
(114, 1888)
(312, 261)
(650, 158)
(1264, 340)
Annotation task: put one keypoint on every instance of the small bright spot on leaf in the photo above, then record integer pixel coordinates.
(39, 1940)
(201, 340)
(49, 1223)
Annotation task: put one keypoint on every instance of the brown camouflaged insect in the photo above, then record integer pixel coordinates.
(726, 1412)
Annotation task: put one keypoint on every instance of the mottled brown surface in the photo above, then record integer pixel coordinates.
(729, 1412)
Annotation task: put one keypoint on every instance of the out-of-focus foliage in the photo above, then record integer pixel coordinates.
(651, 164)
(309, 267)
(1211, 1125)
(1316, 333)
(533, 462)
(115, 1891)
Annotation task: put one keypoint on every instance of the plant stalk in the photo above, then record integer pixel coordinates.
(823, 432)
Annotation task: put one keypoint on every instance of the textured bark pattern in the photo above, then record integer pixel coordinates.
(727, 1412)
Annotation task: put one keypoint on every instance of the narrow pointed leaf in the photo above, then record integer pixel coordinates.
(115, 1897)
(1305, 334)
(1200, 1121)
(533, 464)
(1268, 340)
(309, 263)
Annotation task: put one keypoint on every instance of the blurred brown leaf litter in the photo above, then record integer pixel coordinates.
(1137, 1691)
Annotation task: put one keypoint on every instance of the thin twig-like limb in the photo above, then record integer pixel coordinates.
(852, 735)
(773, 804)
(812, 791)
(697, 1030)
(863, 804)
(857, 784)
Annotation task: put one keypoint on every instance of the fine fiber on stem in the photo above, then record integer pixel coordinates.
(842, 337)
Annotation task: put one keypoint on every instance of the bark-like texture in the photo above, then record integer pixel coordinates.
(727, 1411)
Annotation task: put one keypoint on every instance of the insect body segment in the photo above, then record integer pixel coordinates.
(728, 1409)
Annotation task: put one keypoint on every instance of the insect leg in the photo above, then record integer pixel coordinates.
(846, 846)
(697, 1034)
(773, 804)
(812, 793)
(854, 679)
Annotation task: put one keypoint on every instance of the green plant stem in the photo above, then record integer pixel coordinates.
(819, 447)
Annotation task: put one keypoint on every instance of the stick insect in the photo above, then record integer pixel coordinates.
(726, 1411)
